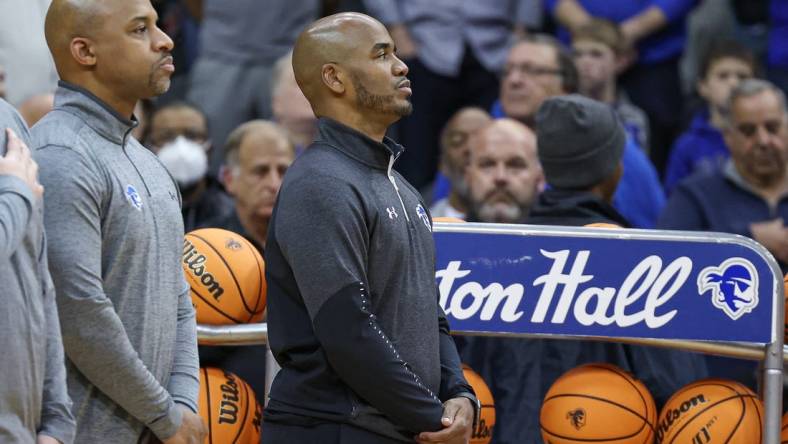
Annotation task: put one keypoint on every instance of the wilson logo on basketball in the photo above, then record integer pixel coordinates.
(577, 417)
(233, 244)
(673, 415)
(195, 264)
(228, 409)
(482, 431)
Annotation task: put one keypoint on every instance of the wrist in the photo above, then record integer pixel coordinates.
(475, 405)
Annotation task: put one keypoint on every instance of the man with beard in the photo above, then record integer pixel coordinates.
(580, 148)
(353, 314)
(114, 230)
(454, 158)
(503, 174)
(749, 195)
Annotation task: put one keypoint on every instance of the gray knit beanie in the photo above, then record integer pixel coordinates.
(580, 141)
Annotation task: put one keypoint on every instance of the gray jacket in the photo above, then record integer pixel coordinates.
(33, 395)
(115, 241)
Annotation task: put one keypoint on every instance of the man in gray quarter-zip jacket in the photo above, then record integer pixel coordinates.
(115, 231)
(34, 402)
(353, 312)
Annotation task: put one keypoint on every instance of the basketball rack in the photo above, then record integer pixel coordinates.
(772, 353)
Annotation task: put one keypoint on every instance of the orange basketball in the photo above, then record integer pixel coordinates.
(784, 431)
(446, 219)
(229, 408)
(226, 275)
(603, 225)
(598, 403)
(483, 432)
(711, 411)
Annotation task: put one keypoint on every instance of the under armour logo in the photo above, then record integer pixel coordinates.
(392, 212)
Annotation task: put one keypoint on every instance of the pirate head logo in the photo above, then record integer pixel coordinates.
(423, 216)
(577, 418)
(733, 285)
(232, 244)
(133, 197)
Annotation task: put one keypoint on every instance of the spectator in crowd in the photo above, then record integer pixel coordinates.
(536, 68)
(539, 67)
(702, 148)
(35, 107)
(33, 393)
(503, 174)
(114, 230)
(600, 55)
(450, 189)
(23, 50)
(580, 147)
(749, 195)
(239, 45)
(178, 135)
(290, 108)
(656, 29)
(454, 51)
(257, 154)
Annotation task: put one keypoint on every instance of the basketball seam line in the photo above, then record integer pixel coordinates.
(246, 410)
(218, 310)
(645, 421)
(626, 378)
(737, 395)
(232, 274)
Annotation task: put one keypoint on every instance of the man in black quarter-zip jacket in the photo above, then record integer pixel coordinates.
(353, 313)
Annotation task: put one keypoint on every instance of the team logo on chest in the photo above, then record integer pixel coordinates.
(423, 216)
(133, 197)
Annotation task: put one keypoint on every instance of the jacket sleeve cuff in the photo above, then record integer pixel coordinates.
(168, 425)
(59, 428)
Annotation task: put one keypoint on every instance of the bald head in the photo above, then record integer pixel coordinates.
(69, 19)
(331, 39)
(504, 175)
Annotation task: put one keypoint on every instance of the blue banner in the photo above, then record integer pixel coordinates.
(606, 287)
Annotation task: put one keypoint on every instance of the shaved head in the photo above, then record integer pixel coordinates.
(69, 19)
(328, 40)
(111, 48)
(346, 66)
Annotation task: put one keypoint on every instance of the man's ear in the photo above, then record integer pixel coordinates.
(82, 51)
(227, 178)
(333, 78)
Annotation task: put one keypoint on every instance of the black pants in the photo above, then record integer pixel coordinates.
(331, 433)
(656, 89)
(435, 98)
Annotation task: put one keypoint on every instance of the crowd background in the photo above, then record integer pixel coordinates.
(234, 118)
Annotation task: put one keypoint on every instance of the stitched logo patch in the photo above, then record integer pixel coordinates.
(423, 216)
(133, 197)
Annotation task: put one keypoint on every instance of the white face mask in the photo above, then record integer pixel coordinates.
(185, 159)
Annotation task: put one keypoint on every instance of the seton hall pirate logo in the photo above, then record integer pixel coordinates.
(133, 197)
(577, 418)
(733, 285)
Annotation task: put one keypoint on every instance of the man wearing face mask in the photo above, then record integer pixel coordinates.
(179, 137)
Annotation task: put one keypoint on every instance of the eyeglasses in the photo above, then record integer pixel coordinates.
(531, 70)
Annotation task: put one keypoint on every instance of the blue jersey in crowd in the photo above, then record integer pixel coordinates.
(700, 149)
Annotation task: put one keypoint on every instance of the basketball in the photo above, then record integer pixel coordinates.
(483, 432)
(226, 275)
(711, 411)
(598, 403)
(229, 408)
(603, 225)
(446, 219)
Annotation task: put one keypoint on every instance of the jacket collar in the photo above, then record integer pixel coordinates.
(357, 145)
(731, 173)
(96, 113)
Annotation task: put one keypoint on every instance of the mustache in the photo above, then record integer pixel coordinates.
(499, 192)
(165, 59)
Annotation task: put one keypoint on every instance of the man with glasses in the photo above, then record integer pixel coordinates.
(537, 68)
(749, 195)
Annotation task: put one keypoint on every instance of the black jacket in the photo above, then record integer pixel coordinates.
(573, 208)
(353, 314)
